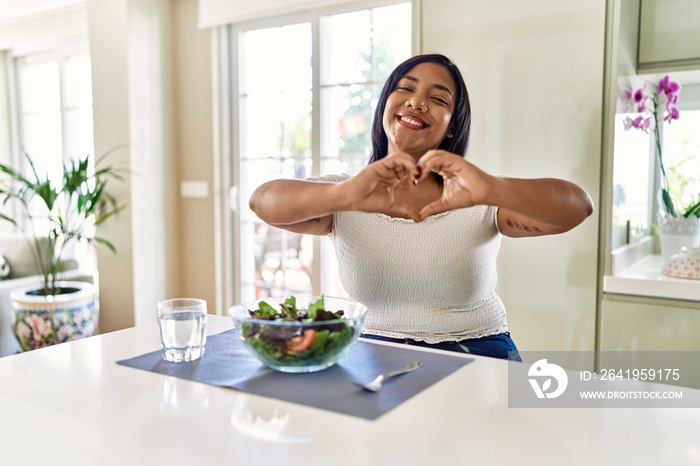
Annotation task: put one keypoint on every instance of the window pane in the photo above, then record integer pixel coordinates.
(353, 73)
(391, 38)
(42, 141)
(380, 36)
(275, 105)
(78, 132)
(346, 60)
(350, 108)
(78, 82)
(681, 151)
(40, 88)
(41, 116)
(55, 106)
(358, 51)
(631, 184)
(275, 124)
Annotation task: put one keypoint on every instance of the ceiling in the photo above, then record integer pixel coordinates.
(11, 10)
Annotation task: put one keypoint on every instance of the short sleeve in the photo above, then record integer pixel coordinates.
(334, 179)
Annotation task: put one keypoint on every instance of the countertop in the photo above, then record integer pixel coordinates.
(644, 278)
(72, 404)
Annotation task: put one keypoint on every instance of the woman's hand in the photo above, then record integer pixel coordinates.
(464, 184)
(372, 190)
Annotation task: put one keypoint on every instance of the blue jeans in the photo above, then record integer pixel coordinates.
(494, 346)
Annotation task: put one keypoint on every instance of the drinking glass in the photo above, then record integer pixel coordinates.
(182, 323)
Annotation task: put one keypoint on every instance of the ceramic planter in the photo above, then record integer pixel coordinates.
(39, 320)
(676, 233)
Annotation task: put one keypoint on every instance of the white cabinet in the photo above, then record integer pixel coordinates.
(650, 329)
(635, 324)
(669, 32)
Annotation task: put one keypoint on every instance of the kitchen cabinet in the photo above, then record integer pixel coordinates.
(669, 35)
(644, 324)
(647, 325)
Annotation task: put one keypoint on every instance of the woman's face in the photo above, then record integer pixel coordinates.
(419, 110)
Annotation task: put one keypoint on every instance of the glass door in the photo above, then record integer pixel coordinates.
(306, 97)
(275, 103)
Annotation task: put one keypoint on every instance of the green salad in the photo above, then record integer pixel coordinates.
(319, 335)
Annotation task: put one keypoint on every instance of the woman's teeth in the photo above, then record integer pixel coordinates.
(412, 122)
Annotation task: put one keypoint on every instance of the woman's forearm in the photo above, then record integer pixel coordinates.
(290, 201)
(554, 202)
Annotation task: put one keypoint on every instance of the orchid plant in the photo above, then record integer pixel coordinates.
(653, 109)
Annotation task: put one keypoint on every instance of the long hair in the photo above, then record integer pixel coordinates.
(461, 116)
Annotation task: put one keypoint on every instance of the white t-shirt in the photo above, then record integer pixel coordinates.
(432, 281)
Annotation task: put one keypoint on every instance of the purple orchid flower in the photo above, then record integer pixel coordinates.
(672, 113)
(668, 86)
(641, 123)
(640, 98)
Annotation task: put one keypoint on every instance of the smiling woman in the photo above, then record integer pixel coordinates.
(419, 250)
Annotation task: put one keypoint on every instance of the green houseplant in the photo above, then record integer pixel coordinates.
(56, 218)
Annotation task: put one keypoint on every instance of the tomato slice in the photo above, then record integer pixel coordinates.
(302, 342)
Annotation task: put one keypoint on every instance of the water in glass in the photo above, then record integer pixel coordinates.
(182, 335)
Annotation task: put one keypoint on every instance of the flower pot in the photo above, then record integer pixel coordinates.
(39, 320)
(676, 233)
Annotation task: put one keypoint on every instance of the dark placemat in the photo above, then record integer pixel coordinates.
(226, 363)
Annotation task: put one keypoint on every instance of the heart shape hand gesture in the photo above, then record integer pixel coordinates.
(374, 188)
(465, 185)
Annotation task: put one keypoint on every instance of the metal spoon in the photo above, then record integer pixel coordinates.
(376, 384)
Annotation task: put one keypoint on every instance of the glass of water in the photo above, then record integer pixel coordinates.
(183, 324)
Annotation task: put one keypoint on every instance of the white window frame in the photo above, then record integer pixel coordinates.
(54, 50)
(58, 50)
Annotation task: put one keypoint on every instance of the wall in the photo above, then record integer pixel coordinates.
(192, 73)
(134, 104)
(535, 74)
(111, 114)
(161, 106)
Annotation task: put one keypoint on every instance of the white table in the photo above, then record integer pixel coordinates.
(72, 404)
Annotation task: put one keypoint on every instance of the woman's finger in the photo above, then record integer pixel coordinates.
(402, 167)
(433, 208)
(435, 161)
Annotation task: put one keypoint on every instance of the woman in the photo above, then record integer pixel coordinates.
(417, 231)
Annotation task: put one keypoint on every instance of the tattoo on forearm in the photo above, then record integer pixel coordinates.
(518, 226)
(314, 220)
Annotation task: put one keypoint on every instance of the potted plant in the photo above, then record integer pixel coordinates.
(678, 221)
(56, 219)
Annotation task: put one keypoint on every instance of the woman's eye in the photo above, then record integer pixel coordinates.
(440, 100)
(403, 88)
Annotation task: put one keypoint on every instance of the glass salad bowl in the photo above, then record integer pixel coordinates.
(299, 334)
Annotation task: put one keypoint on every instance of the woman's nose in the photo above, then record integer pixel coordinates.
(417, 103)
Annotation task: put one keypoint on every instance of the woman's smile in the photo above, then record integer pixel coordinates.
(411, 122)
